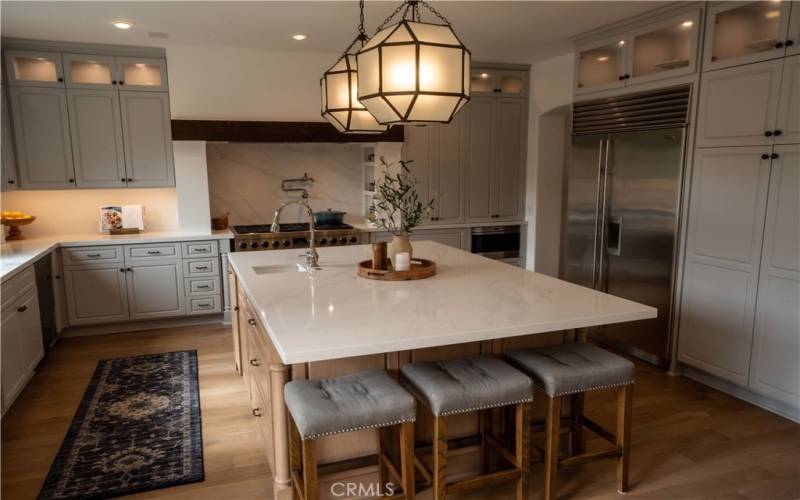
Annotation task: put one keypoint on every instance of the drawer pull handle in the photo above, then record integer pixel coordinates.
(93, 255)
(205, 305)
(22, 309)
(236, 308)
(256, 412)
(202, 268)
(203, 287)
(154, 252)
(254, 362)
(200, 250)
(251, 322)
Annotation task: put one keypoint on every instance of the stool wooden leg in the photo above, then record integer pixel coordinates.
(383, 470)
(439, 457)
(484, 427)
(552, 428)
(624, 417)
(522, 447)
(407, 459)
(310, 486)
(295, 459)
(577, 423)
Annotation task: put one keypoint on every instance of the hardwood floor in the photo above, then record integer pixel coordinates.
(689, 441)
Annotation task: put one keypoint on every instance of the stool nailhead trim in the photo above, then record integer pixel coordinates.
(587, 389)
(360, 428)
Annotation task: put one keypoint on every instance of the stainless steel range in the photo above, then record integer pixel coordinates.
(259, 236)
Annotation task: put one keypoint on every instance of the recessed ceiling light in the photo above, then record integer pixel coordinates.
(772, 14)
(123, 25)
(621, 43)
(603, 58)
(687, 24)
(299, 37)
(484, 75)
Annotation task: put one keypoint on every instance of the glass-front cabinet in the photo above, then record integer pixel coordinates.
(509, 83)
(746, 32)
(126, 73)
(793, 39)
(664, 50)
(34, 69)
(602, 65)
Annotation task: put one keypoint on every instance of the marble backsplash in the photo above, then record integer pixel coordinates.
(245, 179)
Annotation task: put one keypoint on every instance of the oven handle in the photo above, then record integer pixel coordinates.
(499, 255)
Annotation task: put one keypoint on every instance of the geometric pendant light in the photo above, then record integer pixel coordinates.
(339, 87)
(414, 72)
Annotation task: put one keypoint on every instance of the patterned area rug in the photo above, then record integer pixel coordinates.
(137, 429)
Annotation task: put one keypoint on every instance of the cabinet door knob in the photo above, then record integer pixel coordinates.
(60, 79)
(122, 82)
(11, 182)
(774, 155)
(777, 133)
(789, 43)
(130, 179)
(236, 308)
(779, 45)
(251, 321)
(122, 269)
(621, 77)
(256, 412)
(254, 362)
(113, 82)
(765, 156)
(72, 180)
(768, 133)
(123, 179)
(22, 309)
(128, 269)
(627, 77)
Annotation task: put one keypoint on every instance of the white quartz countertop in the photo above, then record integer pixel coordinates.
(16, 255)
(333, 313)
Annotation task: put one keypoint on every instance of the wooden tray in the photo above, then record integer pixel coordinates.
(420, 269)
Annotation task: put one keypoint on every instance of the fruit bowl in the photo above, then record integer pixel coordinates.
(13, 223)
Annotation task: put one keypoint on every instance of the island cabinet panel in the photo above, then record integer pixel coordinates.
(235, 327)
(42, 138)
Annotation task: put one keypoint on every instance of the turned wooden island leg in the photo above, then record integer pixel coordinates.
(279, 376)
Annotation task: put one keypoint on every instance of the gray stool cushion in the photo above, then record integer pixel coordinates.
(469, 384)
(573, 368)
(352, 402)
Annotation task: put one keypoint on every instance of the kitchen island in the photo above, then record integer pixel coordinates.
(295, 324)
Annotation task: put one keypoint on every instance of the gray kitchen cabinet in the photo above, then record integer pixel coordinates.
(155, 290)
(509, 162)
(34, 68)
(137, 73)
(775, 364)
(41, 131)
(794, 31)
(95, 126)
(447, 177)
(479, 117)
(417, 150)
(146, 127)
(456, 237)
(723, 253)
(96, 293)
(789, 110)
(8, 182)
(90, 71)
(491, 80)
(739, 106)
(21, 328)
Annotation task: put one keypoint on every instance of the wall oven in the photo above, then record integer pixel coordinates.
(498, 243)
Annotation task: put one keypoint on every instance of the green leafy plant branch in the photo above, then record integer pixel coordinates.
(396, 206)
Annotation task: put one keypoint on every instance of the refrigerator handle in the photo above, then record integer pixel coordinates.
(603, 216)
(600, 162)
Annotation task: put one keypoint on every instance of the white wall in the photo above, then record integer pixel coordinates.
(551, 88)
(76, 211)
(228, 83)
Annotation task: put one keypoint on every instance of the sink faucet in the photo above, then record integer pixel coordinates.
(312, 257)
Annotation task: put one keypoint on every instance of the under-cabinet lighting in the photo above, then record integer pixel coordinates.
(484, 75)
(123, 25)
(299, 37)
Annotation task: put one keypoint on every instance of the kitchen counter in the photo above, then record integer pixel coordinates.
(16, 255)
(364, 226)
(333, 313)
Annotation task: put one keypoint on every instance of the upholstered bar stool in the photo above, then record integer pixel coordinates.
(574, 369)
(470, 385)
(366, 400)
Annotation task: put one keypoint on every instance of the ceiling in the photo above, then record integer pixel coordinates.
(518, 31)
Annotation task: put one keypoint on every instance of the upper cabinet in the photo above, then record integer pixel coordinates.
(36, 69)
(653, 51)
(509, 83)
(104, 122)
(747, 32)
(8, 181)
(792, 42)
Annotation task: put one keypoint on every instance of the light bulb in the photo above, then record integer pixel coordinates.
(123, 25)
(687, 24)
(602, 59)
(299, 37)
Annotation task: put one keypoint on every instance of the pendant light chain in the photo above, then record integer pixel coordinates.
(412, 6)
(435, 12)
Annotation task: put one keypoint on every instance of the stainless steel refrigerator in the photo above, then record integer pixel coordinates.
(623, 198)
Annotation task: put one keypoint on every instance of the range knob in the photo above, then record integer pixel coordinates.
(343, 240)
(242, 245)
(254, 244)
(276, 244)
(286, 243)
(353, 239)
(323, 241)
(265, 244)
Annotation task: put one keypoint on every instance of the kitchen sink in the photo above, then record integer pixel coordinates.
(283, 268)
